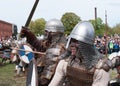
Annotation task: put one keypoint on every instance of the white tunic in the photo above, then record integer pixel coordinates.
(100, 77)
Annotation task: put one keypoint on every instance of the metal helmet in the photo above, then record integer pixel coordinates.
(54, 25)
(83, 32)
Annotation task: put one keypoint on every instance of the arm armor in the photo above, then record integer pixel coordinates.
(32, 39)
(104, 64)
(117, 63)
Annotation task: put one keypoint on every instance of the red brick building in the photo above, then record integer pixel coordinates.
(6, 29)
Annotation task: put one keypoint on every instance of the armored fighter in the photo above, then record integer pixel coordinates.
(85, 66)
(53, 44)
(115, 58)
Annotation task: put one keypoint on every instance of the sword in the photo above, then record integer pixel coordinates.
(30, 16)
(31, 13)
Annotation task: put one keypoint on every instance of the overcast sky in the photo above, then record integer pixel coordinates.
(17, 11)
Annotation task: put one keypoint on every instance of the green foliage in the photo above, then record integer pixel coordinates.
(69, 21)
(100, 27)
(116, 29)
(37, 26)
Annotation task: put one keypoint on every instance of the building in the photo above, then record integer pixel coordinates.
(7, 30)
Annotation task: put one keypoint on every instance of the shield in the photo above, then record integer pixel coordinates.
(26, 54)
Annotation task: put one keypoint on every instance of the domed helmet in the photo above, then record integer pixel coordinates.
(83, 36)
(54, 25)
(83, 32)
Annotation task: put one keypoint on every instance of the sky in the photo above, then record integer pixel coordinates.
(17, 11)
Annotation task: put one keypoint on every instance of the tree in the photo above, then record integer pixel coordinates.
(116, 29)
(69, 21)
(37, 26)
(99, 26)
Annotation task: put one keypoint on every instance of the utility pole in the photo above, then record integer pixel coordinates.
(95, 17)
(106, 44)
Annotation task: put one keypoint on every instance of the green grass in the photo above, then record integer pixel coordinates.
(7, 76)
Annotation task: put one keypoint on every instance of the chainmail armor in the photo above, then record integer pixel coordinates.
(89, 54)
(50, 67)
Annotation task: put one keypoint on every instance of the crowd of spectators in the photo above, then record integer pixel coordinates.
(104, 44)
(107, 44)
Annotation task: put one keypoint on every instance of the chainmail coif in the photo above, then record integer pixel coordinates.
(89, 55)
